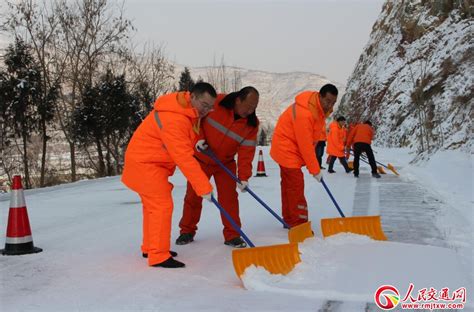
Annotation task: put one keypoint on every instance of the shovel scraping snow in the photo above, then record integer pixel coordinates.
(276, 259)
(300, 232)
(350, 164)
(363, 225)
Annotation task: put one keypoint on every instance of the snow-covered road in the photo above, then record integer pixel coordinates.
(90, 232)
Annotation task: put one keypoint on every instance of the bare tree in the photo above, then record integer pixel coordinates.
(150, 67)
(89, 31)
(422, 106)
(218, 76)
(236, 81)
(37, 25)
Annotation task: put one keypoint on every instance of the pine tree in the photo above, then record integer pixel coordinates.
(120, 109)
(5, 121)
(104, 119)
(46, 110)
(142, 104)
(186, 82)
(262, 139)
(25, 91)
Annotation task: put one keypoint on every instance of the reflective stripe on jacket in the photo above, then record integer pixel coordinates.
(166, 137)
(228, 137)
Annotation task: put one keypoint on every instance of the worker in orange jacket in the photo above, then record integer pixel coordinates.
(230, 130)
(165, 139)
(293, 143)
(349, 133)
(360, 139)
(336, 144)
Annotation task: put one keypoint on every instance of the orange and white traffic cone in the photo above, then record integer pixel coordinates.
(19, 240)
(260, 166)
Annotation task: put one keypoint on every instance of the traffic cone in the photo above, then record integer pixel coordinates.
(19, 240)
(260, 166)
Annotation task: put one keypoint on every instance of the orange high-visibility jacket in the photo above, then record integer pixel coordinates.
(324, 135)
(166, 137)
(296, 132)
(336, 139)
(346, 132)
(227, 137)
(361, 133)
(320, 135)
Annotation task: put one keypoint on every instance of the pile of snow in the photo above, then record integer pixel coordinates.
(350, 267)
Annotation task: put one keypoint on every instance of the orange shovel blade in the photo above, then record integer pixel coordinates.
(299, 233)
(391, 167)
(276, 259)
(364, 225)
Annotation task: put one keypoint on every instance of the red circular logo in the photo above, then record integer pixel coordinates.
(387, 297)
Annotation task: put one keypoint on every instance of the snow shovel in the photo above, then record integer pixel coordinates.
(363, 225)
(276, 259)
(389, 166)
(379, 168)
(350, 164)
(296, 234)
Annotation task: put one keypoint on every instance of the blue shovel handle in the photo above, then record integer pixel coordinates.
(332, 198)
(232, 222)
(209, 153)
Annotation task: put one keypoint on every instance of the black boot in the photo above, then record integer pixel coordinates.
(236, 242)
(170, 263)
(185, 239)
(332, 159)
(172, 253)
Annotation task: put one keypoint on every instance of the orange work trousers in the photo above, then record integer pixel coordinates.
(226, 196)
(157, 215)
(293, 203)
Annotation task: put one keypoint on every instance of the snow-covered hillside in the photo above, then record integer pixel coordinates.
(416, 75)
(277, 90)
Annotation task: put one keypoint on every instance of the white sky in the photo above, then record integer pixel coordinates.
(320, 36)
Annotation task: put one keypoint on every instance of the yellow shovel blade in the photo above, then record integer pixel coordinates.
(299, 233)
(364, 225)
(350, 164)
(391, 167)
(276, 259)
